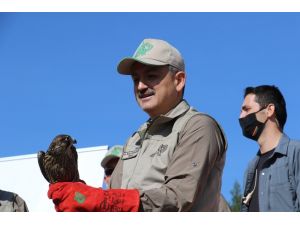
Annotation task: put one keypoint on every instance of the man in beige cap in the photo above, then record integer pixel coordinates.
(110, 161)
(176, 158)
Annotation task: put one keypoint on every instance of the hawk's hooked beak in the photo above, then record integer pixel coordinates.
(74, 141)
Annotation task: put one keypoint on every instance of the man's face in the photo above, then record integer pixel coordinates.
(156, 89)
(251, 106)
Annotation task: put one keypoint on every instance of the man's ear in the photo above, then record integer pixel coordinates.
(180, 80)
(271, 110)
(272, 115)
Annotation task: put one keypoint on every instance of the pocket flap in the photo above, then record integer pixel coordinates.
(130, 152)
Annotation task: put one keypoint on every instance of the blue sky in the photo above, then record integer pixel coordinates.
(58, 74)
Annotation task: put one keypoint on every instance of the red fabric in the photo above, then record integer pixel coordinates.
(79, 197)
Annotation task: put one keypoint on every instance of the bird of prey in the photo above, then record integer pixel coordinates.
(59, 163)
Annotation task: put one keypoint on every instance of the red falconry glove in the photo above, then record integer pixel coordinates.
(79, 197)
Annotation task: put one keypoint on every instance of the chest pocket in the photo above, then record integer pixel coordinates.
(132, 148)
(131, 152)
(161, 151)
(280, 181)
(281, 190)
(280, 175)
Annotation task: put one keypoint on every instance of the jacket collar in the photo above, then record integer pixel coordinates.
(282, 147)
(181, 108)
(178, 110)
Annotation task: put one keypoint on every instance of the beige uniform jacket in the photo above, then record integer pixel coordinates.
(11, 202)
(175, 161)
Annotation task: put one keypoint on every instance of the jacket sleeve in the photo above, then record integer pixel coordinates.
(11, 202)
(20, 204)
(194, 172)
(296, 169)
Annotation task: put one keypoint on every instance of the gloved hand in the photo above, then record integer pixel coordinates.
(79, 197)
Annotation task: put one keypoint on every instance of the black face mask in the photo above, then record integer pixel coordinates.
(251, 127)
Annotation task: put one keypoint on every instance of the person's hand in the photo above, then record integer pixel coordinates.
(79, 197)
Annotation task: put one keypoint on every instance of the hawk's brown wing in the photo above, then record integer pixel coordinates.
(40, 157)
(59, 163)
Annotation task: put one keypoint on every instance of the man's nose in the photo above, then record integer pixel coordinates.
(243, 114)
(141, 85)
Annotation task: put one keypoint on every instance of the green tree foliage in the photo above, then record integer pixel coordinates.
(236, 197)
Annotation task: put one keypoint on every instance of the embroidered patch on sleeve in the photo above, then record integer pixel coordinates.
(80, 198)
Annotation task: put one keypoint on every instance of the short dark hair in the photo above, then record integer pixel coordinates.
(267, 94)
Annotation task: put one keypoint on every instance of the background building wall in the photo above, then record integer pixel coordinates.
(21, 174)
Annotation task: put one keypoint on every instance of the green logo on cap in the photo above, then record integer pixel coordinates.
(80, 198)
(143, 49)
(116, 151)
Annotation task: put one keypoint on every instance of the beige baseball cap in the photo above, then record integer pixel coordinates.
(152, 52)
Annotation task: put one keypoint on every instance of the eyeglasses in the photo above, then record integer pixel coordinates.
(108, 171)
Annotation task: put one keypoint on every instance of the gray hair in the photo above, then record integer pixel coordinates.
(173, 69)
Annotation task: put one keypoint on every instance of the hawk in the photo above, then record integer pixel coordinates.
(59, 163)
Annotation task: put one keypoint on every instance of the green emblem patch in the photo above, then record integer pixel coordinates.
(143, 49)
(116, 151)
(80, 198)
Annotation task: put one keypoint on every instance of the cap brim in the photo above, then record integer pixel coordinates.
(125, 65)
(107, 159)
